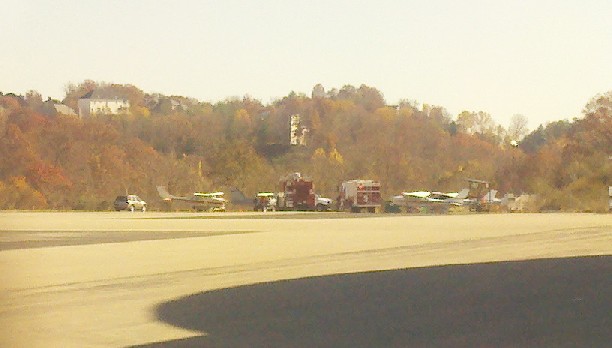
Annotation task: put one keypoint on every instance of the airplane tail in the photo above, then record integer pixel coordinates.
(463, 194)
(490, 196)
(237, 197)
(164, 194)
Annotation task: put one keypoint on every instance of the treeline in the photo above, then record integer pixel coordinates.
(55, 161)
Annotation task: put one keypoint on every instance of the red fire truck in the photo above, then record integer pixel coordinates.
(296, 193)
(359, 195)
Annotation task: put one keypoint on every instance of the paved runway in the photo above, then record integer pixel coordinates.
(123, 279)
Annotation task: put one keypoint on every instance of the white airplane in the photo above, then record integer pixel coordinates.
(456, 198)
(210, 201)
(405, 197)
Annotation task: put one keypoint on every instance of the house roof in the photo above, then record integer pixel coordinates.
(64, 109)
(104, 93)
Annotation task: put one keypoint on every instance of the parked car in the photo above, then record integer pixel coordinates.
(323, 203)
(130, 202)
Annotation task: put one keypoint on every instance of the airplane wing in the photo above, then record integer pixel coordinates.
(417, 194)
(441, 197)
(208, 198)
(209, 194)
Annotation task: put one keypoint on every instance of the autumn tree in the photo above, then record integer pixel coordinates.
(34, 100)
(517, 129)
(571, 170)
(75, 92)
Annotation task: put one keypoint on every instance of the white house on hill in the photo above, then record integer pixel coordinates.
(101, 102)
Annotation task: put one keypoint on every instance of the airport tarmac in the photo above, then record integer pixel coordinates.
(116, 279)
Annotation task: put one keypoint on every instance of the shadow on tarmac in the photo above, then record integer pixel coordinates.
(540, 303)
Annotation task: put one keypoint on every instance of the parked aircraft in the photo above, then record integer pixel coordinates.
(437, 202)
(199, 201)
(456, 198)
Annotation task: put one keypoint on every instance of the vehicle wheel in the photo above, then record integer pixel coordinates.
(144, 208)
(132, 208)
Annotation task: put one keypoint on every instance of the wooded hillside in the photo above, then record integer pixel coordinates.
(55, 161)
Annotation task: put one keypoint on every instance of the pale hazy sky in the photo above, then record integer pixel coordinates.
(542, 59)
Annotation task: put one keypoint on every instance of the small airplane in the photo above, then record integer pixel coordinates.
(210, 201)
(455, 198)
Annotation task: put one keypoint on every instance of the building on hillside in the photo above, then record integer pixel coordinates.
(103, 102)
(162, 104)
(297, 133)
(64, 110)
(53, 108)
(318, 91)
